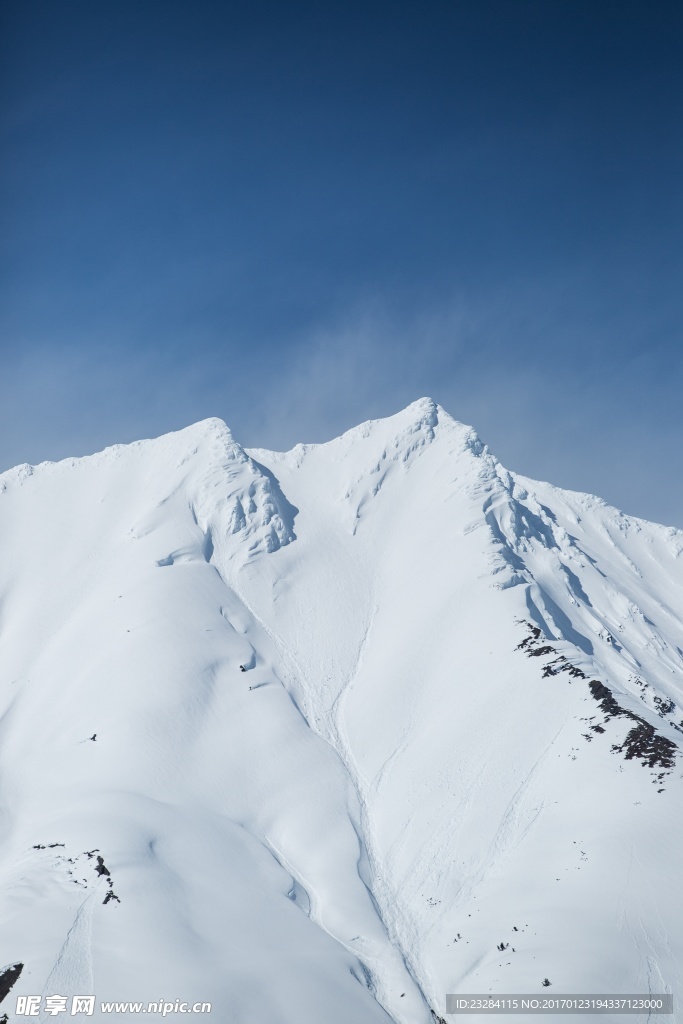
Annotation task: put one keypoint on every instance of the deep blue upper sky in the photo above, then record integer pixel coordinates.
(297, 216)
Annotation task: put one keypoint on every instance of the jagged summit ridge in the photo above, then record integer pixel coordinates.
(183, 442)
(236, 502)
(416, 423)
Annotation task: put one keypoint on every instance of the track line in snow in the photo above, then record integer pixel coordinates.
(402, 936)
(72, 971)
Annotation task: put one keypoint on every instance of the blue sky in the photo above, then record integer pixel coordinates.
(297, 216)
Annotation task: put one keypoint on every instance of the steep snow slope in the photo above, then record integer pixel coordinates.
(465, 695)
(489, 802)
(209, 803)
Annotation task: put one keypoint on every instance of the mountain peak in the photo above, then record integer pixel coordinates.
(354, 718)
(423, 410)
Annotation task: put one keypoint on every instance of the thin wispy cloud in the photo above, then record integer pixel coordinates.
(299, 218)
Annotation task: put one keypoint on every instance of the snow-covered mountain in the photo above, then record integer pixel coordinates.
(450, 764)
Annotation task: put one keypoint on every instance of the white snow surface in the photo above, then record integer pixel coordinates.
(393, 789)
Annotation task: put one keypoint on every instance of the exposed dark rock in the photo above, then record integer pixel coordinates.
(535, 633)
(643, 742)
(538, 652)
(101, 868)
(605, 698)
(664, 707)
(561, 664)
(8, 978)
